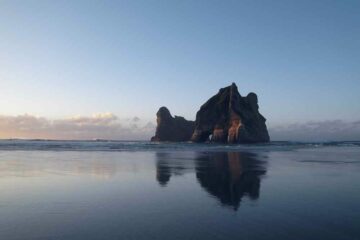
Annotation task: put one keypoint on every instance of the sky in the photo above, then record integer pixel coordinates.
(101, 69)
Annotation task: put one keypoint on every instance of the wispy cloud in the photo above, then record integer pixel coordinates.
(102, 125)
(332, 130)
(110, 126)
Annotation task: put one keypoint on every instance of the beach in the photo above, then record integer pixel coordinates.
(139, 190)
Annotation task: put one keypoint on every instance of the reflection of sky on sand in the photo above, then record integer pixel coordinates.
(40, 164)
(180, 195)
(226, 176)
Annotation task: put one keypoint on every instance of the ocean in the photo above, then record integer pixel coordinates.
(143, 190)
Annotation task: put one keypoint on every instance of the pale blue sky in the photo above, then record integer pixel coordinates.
(64, 58)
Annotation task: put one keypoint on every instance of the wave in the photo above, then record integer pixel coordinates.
(110, 145)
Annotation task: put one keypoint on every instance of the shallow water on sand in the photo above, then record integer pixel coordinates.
(306, 192)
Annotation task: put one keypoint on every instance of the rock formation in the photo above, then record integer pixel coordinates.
(173, 129)
(228, 117)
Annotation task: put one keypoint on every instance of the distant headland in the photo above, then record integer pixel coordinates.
(226, 117)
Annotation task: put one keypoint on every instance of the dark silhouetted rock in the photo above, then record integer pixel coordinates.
(173, 129)
(228, 117)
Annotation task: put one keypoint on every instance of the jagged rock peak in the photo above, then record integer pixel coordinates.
(163, 112)
(175, 129)
(228, 117)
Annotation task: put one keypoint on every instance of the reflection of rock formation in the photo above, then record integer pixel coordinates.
(229, 176)
(163, 171)
(168, 164)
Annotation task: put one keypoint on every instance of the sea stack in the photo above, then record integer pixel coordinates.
(227, 117)
(172, 129)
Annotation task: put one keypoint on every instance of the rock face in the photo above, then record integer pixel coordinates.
(228, 117)
(173, 129)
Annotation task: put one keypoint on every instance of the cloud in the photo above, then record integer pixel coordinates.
(331, 130)
(135, 119)
(101, 125)
(110, 126)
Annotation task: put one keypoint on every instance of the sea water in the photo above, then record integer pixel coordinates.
(144, 190)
